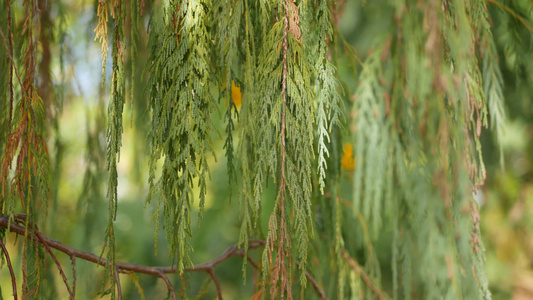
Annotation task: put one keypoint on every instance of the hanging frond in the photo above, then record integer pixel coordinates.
(330, 106)
(287, 132)
(181, 103)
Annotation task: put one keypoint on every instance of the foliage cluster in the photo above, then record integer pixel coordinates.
(392, 217)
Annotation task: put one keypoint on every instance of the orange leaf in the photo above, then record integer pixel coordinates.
(348, 159)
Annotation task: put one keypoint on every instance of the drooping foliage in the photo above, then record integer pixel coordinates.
(25, 153)
(181, 105)
(331, 170)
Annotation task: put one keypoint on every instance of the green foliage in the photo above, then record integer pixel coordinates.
(181, 104)
(286, 119)
(330, 106)
(401, 224)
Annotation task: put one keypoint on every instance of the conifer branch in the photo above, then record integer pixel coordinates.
(11, 67)
(9, 266)
(122, 267)
(125, 268)
(512, 13)
(21, 219)
(12, 62)
(280, 270)
(181, 106)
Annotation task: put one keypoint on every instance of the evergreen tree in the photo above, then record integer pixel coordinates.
(354, 174)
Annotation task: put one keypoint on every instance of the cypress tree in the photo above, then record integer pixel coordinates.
(331, 168)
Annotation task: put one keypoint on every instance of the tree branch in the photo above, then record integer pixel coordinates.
(123, 267)
(73, 263)
(211, 273)
(117, 280)
(63, 276)
(8, 261)
(169, 285)
(314, 283)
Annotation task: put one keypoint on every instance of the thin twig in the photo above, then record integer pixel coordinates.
(250, 260)
(40, 237)
(211, 273)
(363, 275)
(513, 13)
(10, 56)
(117, 280)
(315, 284)
(73, 263)
(8, 261)
(169, 285)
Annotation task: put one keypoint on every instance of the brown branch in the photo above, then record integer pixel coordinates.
(63, 276)
(314, 283)
(169, 285)
(132, 267)
(252, 262)
(117, 281)
(73, 264)
(160, 272)
(211, 273)
(363, 275)
(8, 261)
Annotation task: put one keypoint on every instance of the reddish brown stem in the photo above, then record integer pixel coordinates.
(117, 280)
(11, 66)
(211, 273)
(315, 284)
(308, 275)
(364, 276)
(73, 264)
(63, 276)
(8, 261)
(169, 285)
(280, 270)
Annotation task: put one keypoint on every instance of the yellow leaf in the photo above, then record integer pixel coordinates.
(348, 158)
(236, 94)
